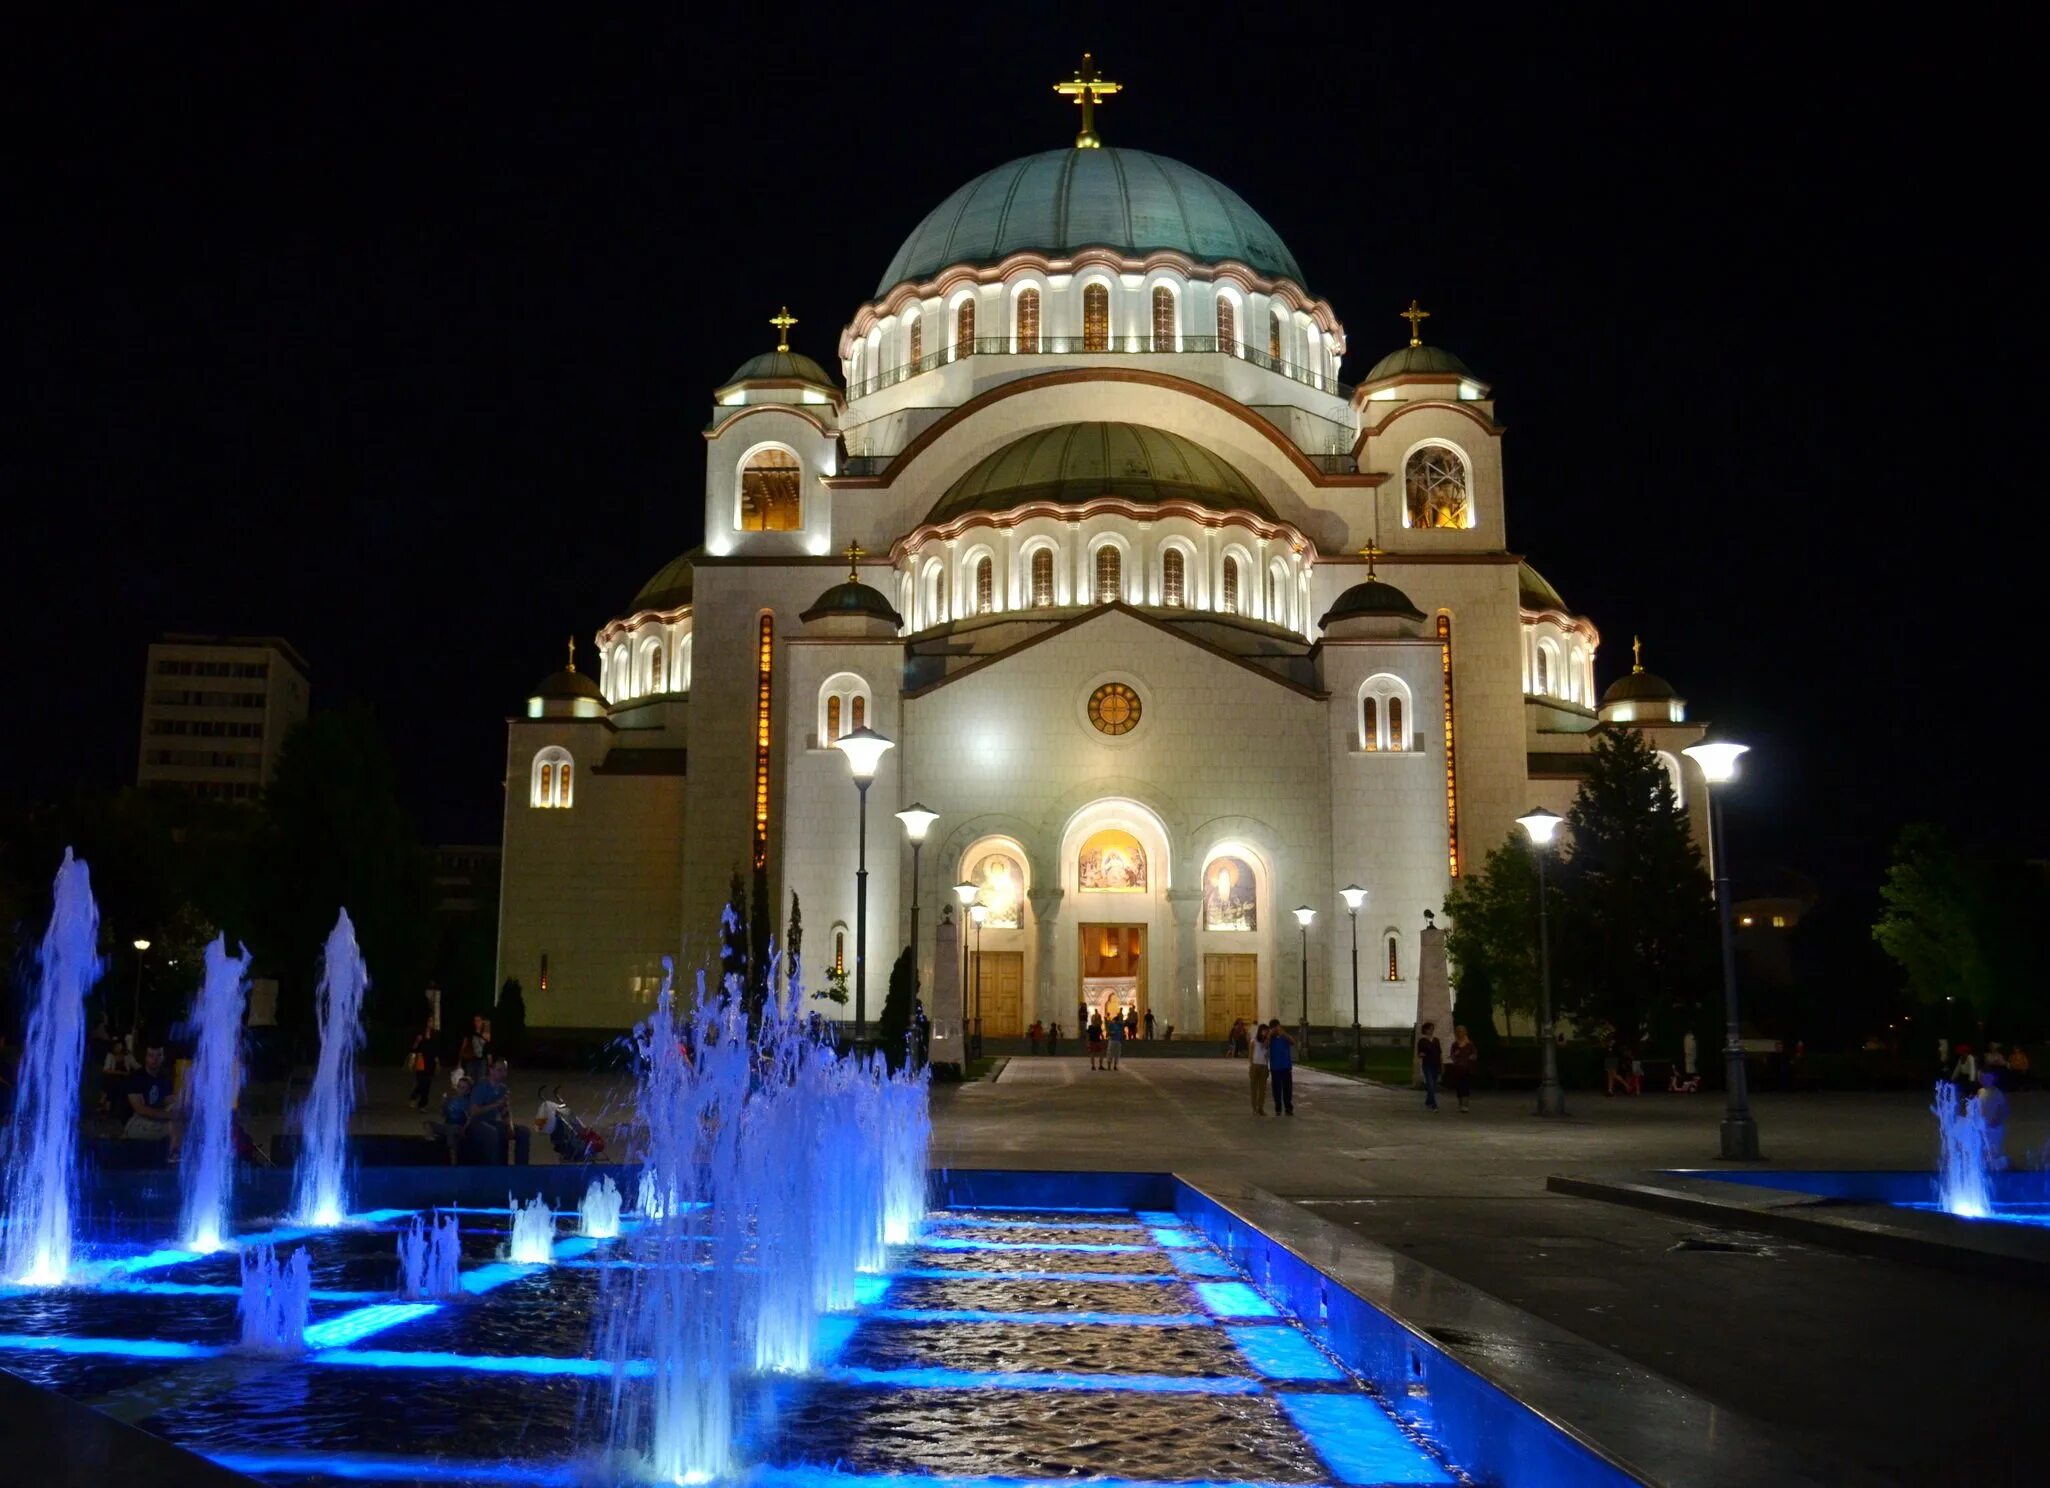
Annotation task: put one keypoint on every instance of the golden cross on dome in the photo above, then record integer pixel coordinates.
(855, 553)
(1636, 653)
(1416, 316)
(783, 320)
(572, 652)
(1370, 552)
(1088, 90)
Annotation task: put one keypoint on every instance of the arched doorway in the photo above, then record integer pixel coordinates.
(1117, 946)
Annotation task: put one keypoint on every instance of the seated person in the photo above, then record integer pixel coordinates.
(149, 1102)
(455, 1116)
(491, 1123)
(1989, 1115)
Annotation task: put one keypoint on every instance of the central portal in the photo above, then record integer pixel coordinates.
(1113, 969)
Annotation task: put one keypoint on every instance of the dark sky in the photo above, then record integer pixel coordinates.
(391, 329)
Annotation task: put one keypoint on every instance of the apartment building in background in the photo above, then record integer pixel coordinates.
(215, 711)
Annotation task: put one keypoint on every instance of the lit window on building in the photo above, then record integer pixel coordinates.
(1028, 320)
(1171, 577)
(1096, 318)
(769, 485)
(1042, 578)
(1108, 571)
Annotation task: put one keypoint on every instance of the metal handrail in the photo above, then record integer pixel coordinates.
(1085, 346)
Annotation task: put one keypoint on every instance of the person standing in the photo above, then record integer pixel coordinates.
(1096, 1043)
(476, 1052)
(1464, 1058)
(1687, 1055)
(1281, 1067)
(421, 1062)
(1149, 1025)
(1256, 1066)
(1431, 1056)
(1053, 1038)
(1117, 1041)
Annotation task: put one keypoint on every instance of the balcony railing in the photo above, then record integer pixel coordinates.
(1088, 346)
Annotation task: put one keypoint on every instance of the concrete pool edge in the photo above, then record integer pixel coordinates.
(2011, 1253)
(1633, 1424)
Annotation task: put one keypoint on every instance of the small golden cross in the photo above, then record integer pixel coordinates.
(1636, 653)
(1088, 90)
(572, 652)
(783, 320)
(1416, 316)
(1370, 552)
(855, 553)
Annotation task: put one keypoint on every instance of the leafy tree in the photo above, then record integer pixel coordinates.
(1636, 945)
(893, 1027)
(1473, 1007)
(1493, 936)
(509, 1020)
(1971, 936)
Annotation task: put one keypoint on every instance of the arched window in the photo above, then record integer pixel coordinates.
(916, 332)
(681, 678)
(1278, 587)
(935, 593)
(1397, 738)
(1227, 325)
(1544, 671)
(553, 782)
(1230, 603)
(1042, 578)
(1096, 317)
(1028, 320)
(985, 585)
(769, 484)
(655, 670)
(843, 707)
(964, 328)
(1171, 577)
(839, 951)
(1274, 334)
(1434, 485)
(1394, 962)
(1384, 714)
(1671, 765)
(1107, 574)
(1164, 326)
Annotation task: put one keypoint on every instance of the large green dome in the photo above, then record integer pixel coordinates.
(1065, 200)
(1070, 464)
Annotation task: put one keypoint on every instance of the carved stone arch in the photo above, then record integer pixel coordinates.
(1173, 820)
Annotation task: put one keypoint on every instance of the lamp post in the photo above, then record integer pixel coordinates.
(135, 1028)
(967, 894)
(1303, 915)
(1540, 824)
(864, 748)
(978, 912)
(1354, 896)
(918, 820)
(1718, 762)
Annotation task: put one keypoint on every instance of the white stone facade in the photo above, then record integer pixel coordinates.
(1305, 743)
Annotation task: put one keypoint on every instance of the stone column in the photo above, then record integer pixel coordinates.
(1046, 990)
(1185, 905)
(1433, 993)
(943, 993)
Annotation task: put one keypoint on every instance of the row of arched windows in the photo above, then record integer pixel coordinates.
(1385, 717)
(553, 786)
(1562, 671)
(929, 601)
(647, 664)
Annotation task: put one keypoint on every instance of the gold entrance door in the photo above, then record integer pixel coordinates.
(1002, 989)
(1114, 968)
(1231, 986)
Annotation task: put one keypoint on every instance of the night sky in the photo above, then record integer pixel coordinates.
(392, 330)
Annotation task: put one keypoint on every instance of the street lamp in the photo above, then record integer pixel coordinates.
(917, 821)
(1718, 762)
(1540, 824)
(135, 1028)
(864, 748)
(1354, 896)
(1303, 915)
(978, 912)
(966, 893)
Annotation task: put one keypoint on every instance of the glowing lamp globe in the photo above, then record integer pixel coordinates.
(966, 892)
(1304, 914)
(1540, 824)
(978, 913)
(1354, 896)
(864, 748)
(1718, 760)
(917, 821)
(142, 945)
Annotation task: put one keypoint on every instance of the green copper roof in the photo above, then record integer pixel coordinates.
(567, 684)
(780, 366)
(1371, 597)
(1066, 200)
(1533, 593)
(1639, 687)
(852, 597)
(1070, 464)
(669, 588)
(1418, 359)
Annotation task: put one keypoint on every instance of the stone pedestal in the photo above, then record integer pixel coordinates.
(1433, 994)
(943, 996)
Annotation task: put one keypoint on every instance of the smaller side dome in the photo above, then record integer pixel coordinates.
(669, 588)
(1640, 696)
(850, 599)
(1371, 599)
(780, 366)
(1432, 361)
(566, 694)
(567, 684)
(1534, 593)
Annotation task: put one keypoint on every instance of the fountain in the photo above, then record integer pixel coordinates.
(430, 1259)
(42, 1173)
(207, 1171)
(1962, 1186)
(276, 1301)
(324, 1123)
(598, 1214)
(533, 1231)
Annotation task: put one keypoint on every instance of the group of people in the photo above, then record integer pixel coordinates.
(1270, 1055)
(477, 1121)
(1464, 1059)
(1106, 1037)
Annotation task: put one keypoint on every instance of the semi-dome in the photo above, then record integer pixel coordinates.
(669, 588)
(851, 597)
(1371, 598)
(1070, 464)
(780, 366)
(1064, 200)
(1424, 360)
(1533, 593)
